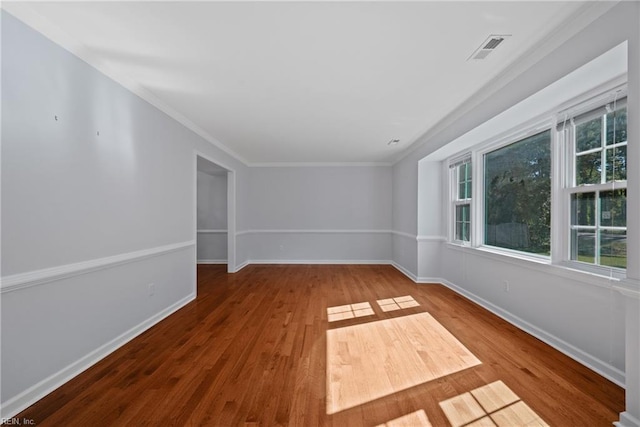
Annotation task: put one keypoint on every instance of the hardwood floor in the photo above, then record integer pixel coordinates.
(252, 350)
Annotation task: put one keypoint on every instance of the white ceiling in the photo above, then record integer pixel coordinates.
(305, 82)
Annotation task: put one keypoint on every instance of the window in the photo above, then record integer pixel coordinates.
(462, 200)
(514, 188)
(517, 195)
(598, 187)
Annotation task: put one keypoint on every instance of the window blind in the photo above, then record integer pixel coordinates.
(454, 163)
(592, 114)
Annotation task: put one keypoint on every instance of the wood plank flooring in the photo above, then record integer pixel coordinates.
(380, 358)
(252, 350)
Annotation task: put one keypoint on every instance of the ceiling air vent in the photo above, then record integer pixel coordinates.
(488, 46)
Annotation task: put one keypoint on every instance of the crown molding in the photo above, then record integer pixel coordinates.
(588, 13)
(24, 12)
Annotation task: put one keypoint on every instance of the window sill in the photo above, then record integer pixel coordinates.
(540, 264)
(512, 257)
(615, 274)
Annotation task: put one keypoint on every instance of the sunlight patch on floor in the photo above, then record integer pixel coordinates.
(414, 419)
(490, 405)
(349, 311)
(398, 303)
(376, 359)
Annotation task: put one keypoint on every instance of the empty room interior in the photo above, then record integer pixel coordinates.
(320, 213)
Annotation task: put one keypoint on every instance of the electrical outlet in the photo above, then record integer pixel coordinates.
(151, 288)
(505, 286)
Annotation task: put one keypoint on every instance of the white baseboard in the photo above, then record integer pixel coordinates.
(211, 261)
(606, 370)
(627, 420)
(312, 261)
(415, 278)
(404, 271)
(36, 392)
(320, 261)
(20, 402)
(425, 280)
(240, 267)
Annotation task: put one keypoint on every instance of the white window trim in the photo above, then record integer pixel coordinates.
(454, 205)
(532, 127)
(561, 172)
(453, 197)
(568, 186)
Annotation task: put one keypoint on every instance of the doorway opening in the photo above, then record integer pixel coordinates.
(214, 213)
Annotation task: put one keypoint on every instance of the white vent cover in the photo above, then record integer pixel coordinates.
(488, 46)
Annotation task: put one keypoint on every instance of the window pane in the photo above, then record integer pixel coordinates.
(583, 245)
(462, 172)
(464, 181)
(588, 168)
(463, 218)
(613, 248)
(583, 209)
(589, 135)
(469, 180)
(518, 195)
(599, 218)
(617, 164)
(619, 119)
(613, 208)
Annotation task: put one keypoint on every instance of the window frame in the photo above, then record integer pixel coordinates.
(456, 201)
(476, 155)
(529, 131)
(562, 171)
(570, 187)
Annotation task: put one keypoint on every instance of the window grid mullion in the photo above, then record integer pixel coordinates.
(603, 153)
(567, 168)
(597, 237)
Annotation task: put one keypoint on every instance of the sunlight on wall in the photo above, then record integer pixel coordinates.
(376, 359)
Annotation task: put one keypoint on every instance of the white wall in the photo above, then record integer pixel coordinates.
(430, 233)
(320, 214)
(631, 287)
(583, 316)
(405, 216)
(88, 221)
(212, 217)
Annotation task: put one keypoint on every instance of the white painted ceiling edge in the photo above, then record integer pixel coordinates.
(590, 13)
(602, 74)
(586, 14)
(26, 14)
